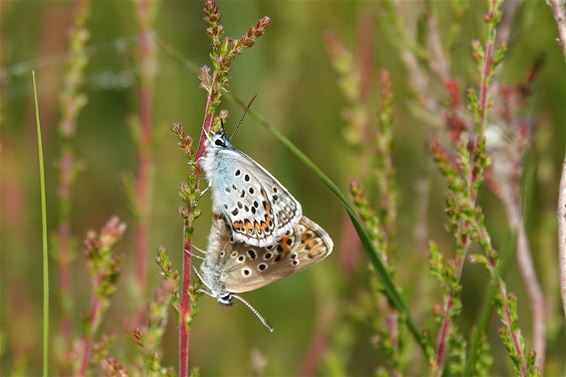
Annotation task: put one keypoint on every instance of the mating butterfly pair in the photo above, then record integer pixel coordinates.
(258, 234)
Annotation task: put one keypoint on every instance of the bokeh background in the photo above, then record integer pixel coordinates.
(290, 71)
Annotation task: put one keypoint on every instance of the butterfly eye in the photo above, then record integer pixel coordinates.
(219, 142)
(226, 299)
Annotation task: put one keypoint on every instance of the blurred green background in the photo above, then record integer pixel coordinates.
(290, 71)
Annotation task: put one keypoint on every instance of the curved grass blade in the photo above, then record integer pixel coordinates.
(388, 285)
(44, 236)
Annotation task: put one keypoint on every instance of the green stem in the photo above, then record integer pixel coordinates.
(487, 307)
(44, 237)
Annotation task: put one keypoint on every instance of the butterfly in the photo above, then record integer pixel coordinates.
(233, 267)
(257, 208)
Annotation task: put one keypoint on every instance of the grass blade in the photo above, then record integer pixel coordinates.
(388, 285)
(44, 237)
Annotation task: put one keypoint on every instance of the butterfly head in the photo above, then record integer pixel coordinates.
(219, 140)
(225, 299)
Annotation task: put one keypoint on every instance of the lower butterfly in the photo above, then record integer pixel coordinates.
(232, 267)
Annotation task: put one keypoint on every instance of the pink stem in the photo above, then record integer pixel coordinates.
(562, 233)
(514, 339)
(185, 308)
(443, 337)
(526, 267)
(559, 14)
(93, 318)
(144, 158)
(311, 362)
(487, 67)
(187, 247)
(446, 323)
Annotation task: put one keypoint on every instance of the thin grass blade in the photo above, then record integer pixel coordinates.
(43, 236)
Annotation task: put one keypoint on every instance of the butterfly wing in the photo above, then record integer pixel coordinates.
(248, 268)
(257, 207)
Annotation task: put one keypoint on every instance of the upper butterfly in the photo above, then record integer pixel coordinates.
(258, 209)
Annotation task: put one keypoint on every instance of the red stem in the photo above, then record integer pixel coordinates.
(487, 66)
(185, 307)
(446, 323)
(443, 336)
(187, 247)
(93, 318)
(508, 320)
(143, 178)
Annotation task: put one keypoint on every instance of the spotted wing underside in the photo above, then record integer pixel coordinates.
(248, 268)
(256, 206)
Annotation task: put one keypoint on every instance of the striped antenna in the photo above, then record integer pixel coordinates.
(254, 310)
(242, 118)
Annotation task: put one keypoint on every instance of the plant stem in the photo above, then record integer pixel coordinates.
(562, 233)
(560, 18)
(44, 236)
(446, 323)
(185, 304)
(187, 247)
(507, 320)
(143, 176)
(71, 102)
(486, 309)
(526, 267)
(559, 14)
(94, 319)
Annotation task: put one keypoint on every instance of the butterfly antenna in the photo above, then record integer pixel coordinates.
(259, 316)
(242, 118)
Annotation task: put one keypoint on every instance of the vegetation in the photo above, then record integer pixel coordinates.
(425, 137)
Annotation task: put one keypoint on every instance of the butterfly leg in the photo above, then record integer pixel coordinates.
(206, 134)
(203, 192)
(198, 249)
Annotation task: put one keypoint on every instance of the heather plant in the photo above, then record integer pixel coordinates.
(428, 148)
(140, 191)
(72, 101)
(104, 268)
(380, 223)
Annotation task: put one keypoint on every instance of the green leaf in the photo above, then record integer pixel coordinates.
(388, 285)
(44, 236)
